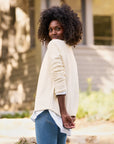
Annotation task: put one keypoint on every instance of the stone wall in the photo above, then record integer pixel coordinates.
(19, 62)
(18, 81)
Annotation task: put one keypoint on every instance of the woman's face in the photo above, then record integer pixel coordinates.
(55, 30)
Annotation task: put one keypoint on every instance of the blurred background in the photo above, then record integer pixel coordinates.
(21, 54)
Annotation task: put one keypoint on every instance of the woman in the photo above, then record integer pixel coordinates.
(57, 91)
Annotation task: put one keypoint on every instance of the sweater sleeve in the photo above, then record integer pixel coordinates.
(57, 69)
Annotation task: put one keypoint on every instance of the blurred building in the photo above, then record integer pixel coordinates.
(21, 52)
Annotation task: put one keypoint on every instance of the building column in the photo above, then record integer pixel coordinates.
(112, 29)
(89, 23)
(37, 6)
(32, 23)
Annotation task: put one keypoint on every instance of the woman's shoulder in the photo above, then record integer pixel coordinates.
(57, 46)
(56, 42)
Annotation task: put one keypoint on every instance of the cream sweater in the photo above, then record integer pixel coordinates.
(58, 74)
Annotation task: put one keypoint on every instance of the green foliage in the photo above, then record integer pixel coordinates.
(96, 105)
(81, 113)
(89, 88)
(16, 115)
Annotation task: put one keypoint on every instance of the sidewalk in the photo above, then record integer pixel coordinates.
(98, 132)
(11, 130)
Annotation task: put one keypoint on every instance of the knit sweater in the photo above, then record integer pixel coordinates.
(58, 74)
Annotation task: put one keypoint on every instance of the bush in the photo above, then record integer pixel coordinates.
(96, 105)
(16, 115)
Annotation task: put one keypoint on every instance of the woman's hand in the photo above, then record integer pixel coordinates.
(68, 121)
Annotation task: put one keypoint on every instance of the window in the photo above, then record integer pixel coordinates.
(103, 18)
(102, 30)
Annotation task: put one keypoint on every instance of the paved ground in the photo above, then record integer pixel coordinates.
(98, 132)
(12, 129)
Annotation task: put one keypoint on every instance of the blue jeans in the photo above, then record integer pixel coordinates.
(47, 132)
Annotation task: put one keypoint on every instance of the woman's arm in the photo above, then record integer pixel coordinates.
(58, 73)
(68, 121)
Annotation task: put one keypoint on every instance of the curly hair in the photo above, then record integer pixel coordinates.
(67, 18)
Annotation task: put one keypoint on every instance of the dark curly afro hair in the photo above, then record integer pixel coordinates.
(68, 19)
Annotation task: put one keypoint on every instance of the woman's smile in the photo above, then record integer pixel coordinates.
(55, 30)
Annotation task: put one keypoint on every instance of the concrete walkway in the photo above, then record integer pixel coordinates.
(100, 132)
(12, 129)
